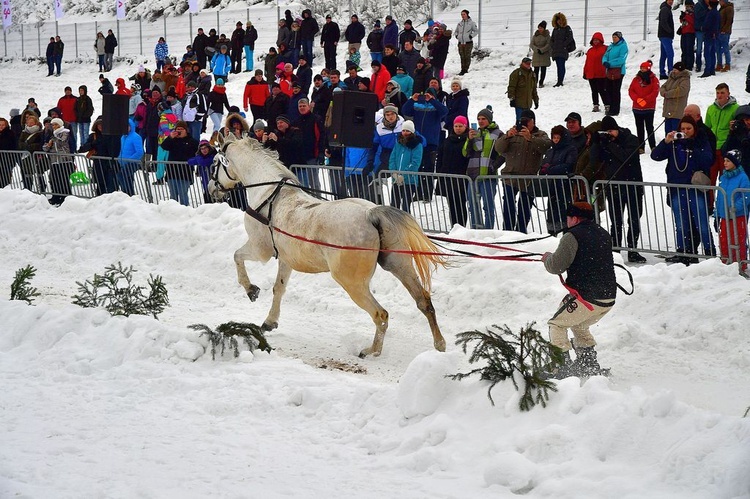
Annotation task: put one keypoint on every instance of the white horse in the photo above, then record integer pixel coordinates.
(332, 229)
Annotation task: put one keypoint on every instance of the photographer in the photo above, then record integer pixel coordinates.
(739, 133)
(688, 154)
(617, 148)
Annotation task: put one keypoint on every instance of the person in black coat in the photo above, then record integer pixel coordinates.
(308, 29)
(286, 140)
(354, 33)
(181, 147)
(50, 55)
(451, 160)
(276, 104)
(103, 171)
(8, 142)
(304, 74)
(110, 43)
(237, 46)
(329, 39)
(200, 42)
(617, 148)
(321, 97)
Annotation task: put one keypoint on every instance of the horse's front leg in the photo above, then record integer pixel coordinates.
(279, 288)
(246, 252)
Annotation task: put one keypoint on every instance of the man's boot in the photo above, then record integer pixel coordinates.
(586, 364)
(559, 371)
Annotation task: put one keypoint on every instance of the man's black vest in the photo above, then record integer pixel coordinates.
(592, 272)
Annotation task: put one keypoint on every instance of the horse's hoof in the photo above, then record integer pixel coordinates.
(269, 326)
(440, 346)
(253, 293)
(368, 351)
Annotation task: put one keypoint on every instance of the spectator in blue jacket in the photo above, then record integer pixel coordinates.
(221, 64)
(733, 210)
(405, 157)
(688, 156)
(387, 132)
(615, 57)
(202, 162)
(131, 154)
(390, 32)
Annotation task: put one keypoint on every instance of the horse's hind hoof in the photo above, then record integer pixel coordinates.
(253, 293)
(269, 326)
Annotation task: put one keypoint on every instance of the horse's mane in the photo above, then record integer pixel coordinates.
(269, 157)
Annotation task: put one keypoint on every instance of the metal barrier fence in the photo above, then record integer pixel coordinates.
(670, 220)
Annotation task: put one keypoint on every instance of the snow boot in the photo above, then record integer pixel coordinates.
(586, 364)
(596, 108)
(562, 371)
(635, 257)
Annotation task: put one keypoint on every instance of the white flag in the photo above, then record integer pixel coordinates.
(7, 14)
(193, 6)
(120, 9)
(59, 12)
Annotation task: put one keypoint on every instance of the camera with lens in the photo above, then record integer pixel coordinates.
(679, 136)
(738, 124)
(605, 135)
(523, 122)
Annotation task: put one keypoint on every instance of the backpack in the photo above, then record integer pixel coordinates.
(195, 107)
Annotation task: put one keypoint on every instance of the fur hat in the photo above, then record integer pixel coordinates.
(487, 113)
(734, 156)
(58, 122)
(408, 126)
(580, 209)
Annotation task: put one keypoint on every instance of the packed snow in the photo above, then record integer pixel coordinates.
(101, 406)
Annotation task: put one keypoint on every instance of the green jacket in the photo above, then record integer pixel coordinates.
(482, 160)
(718, 118)
(522, 88)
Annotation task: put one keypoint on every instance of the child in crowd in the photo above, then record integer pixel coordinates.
(354, 55)
(733, 177)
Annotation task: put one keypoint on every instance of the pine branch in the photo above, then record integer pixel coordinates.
(20, 289)
(504, 353)
(227, 334)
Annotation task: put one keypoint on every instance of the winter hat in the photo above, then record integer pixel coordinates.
(408, 126)
(58, 122)
(390, 109)
(742, 112)
(609, 123)
(734, 156)
(580, 209)
(647, 65)
(219, 81)
(302, 57)
(462, 120)
(400, 67)
(679, 66)
(543, 25)
(303, 100)
(171, 93)
(487, 113)
(458, 82)
(141, 69)
(618, 34)
(284, 118)
(433, 92)
(191, 84)
(528, 114)
(377, 23)
(280, 66)
(574, 116)
(15, 112)
(204, 142)
(365, 81)
(421, 60)
(376, 63)
(181, 124)
(259, 125)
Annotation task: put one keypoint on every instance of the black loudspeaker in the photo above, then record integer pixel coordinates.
(353, 119)
(115, 114)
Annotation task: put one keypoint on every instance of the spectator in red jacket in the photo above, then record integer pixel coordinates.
(379, 79)
(643, 92)
(256, 93)
(594, 71)
(67, 107)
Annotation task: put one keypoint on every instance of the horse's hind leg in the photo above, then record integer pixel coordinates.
(401, 267)
(246, 252)
(279, 288)
(358, 288)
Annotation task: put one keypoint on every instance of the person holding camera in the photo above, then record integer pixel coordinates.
(483, 160)
(617, 149)
(689, 158)
(523, 147)
(181, 147)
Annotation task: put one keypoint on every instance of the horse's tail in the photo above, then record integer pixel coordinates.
(399, 231)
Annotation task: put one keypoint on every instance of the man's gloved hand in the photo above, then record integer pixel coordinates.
(539, 51)
(513, 103)
(536, 105)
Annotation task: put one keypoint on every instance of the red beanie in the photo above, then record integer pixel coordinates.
(462, 120)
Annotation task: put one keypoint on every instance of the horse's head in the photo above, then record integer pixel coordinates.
(223, 176)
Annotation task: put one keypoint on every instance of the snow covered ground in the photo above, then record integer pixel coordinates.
(95, 406)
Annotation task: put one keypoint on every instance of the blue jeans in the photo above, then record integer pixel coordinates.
(666, 55)
(722, 49)
(698, 50)
(195, 129)
(82, 132)
(671, 124)
(58, 63)
(516, 218)
(101, 62)
(709, 51)
(160, 64)
(248, 58)
(520, 110)
(125, 176)
(560, 62)
(51, 65)
(689, 209)
(376, 56)
(307, 49)
(484, 194)
(178, 190)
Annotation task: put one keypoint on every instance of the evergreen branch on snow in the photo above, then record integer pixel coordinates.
(228, 334)
(504, 353)
(20, 289)
(116, 292)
